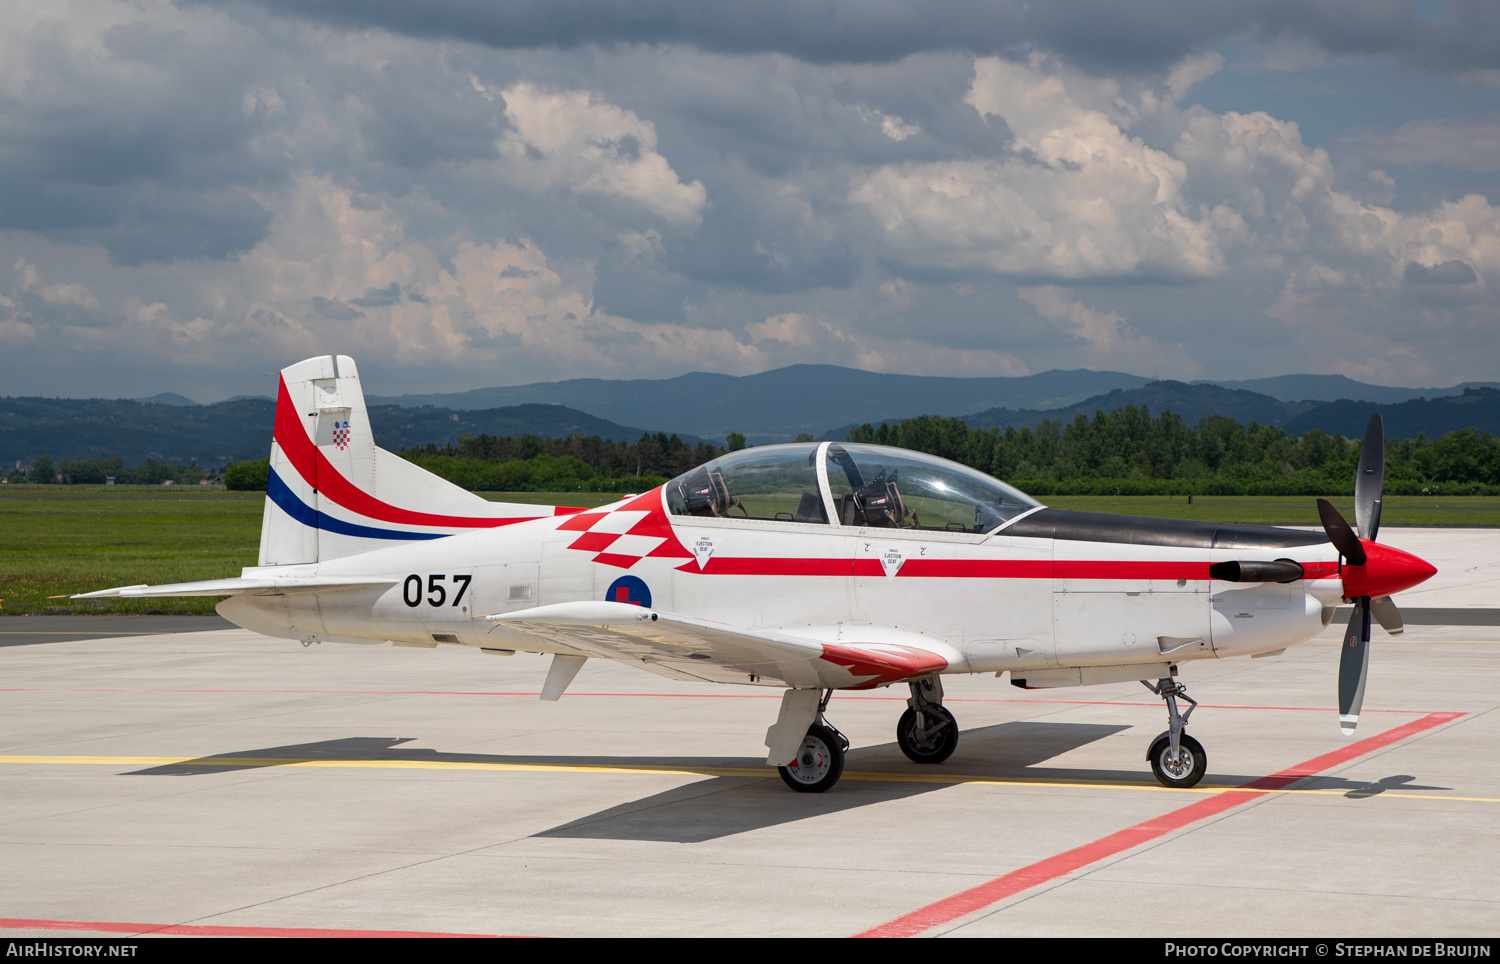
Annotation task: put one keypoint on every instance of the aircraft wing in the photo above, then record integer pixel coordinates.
(239, 584)
(686, 646)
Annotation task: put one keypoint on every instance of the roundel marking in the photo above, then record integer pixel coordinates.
(629, 589)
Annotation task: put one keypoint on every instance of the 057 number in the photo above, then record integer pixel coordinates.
(436, 592)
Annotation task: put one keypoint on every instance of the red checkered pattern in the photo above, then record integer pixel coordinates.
(341, 435)
(624, 536)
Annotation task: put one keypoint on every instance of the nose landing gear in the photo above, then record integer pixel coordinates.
(1177, 760)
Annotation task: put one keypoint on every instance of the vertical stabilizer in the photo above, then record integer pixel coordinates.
(332, 492)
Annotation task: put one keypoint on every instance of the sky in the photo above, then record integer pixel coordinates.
(465, 193)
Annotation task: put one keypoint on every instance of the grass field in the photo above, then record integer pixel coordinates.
(57, 540)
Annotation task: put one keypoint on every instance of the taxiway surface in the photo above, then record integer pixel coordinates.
(223, 782)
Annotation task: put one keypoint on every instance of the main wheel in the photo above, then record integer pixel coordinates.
(1188, 769)
(937, 744)
(819, 762)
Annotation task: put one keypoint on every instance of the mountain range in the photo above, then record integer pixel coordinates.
(776, 406)
(233, 431)
(819, 400)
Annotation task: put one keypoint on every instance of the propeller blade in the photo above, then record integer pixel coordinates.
(1354, 665)
(1339, 533)
(1383, 608)
(1369, 480)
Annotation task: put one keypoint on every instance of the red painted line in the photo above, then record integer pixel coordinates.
(725, 566)
(977, 898)
(207, 930)
(1135, 569)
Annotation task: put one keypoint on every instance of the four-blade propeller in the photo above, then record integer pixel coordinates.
(1354, 659)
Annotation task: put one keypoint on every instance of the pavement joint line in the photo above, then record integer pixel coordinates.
(760, 773)
(211, 930)
(979, 899)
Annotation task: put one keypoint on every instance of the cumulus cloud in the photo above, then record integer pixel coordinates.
(58, 303)
(664, 187)
(586, 145)
(498, 306)
(1078, 197)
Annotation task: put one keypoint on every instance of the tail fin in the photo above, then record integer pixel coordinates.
(333, 493)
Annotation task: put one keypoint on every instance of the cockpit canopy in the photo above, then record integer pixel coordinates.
(860, 485)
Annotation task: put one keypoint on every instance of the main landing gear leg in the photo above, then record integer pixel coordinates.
(1177, 759)
(820, 759)
(927, 733)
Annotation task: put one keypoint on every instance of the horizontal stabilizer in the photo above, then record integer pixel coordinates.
(239, 584)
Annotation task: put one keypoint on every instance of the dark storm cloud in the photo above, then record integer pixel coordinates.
(1097, 34)
(144, 149)
(136, 223)
(1447, 273)
(335, 310)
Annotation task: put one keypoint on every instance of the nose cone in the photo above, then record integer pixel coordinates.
(1386, 570)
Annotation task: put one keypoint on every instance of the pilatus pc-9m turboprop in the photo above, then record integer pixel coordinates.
(809, 567)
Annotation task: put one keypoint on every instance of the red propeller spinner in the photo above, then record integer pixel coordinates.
(1386, 571)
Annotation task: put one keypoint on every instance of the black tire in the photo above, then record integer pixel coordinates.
(1187, 772)
(819, 762)
(938, 746)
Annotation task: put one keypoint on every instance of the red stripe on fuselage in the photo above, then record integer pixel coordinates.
(1103, 569)
(319, 473)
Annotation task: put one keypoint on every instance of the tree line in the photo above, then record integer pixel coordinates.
(528, 463)
(1130, 452)
(98, 471)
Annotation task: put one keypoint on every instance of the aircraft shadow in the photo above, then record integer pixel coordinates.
(729, 804)
(389, 749)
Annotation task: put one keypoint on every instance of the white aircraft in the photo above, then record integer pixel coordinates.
(812, 567)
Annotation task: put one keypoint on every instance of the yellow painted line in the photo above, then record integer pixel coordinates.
(248, 761)
(762, 773)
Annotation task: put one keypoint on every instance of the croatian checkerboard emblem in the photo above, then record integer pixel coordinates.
(341, 435)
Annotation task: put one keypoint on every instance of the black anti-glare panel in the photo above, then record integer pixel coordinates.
(1147, 531)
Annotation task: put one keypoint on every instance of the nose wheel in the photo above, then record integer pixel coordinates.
(1182, 771)
(1177, 759)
